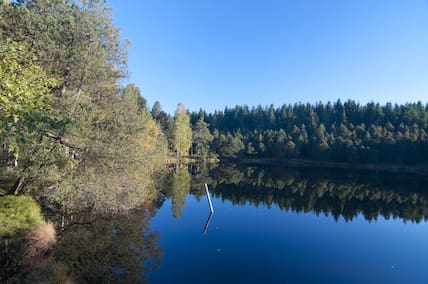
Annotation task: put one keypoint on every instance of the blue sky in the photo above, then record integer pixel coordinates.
(215, 53)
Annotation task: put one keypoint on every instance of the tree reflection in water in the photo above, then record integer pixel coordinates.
(337, 193)
(176, 185)
(95, 249)
(121, 248)
(118, 249)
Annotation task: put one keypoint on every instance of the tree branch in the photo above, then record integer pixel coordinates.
(61, 140)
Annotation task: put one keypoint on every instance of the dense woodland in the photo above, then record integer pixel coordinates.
(70, 132)
(334, 132)
(82, 141)
(342, 132)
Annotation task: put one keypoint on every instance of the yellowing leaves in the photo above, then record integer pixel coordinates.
(149, 137)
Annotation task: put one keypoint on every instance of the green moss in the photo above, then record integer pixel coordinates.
(18, 213)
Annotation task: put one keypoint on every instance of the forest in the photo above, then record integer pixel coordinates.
(331, 132)
(68, 121)
(86, 163)
(71, 133)
(340, 132)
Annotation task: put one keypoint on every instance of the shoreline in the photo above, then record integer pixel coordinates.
(391, 168)
(302, 163)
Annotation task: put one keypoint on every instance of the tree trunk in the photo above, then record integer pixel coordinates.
(14, 190)
(63, 89)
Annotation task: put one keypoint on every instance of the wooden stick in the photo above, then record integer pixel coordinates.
(209, 199)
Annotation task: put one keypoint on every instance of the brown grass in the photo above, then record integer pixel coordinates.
(41, 240)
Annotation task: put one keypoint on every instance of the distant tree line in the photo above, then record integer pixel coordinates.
(339, 132)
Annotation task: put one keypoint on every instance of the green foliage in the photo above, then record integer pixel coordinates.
(28, 112)
(25, 101)
(202, 138)
(340, 132)
(18, 213)
(162, 118)
(74, 41)
(181, 132)
(5, 185)
(81, 140)
(123, 149)
(228, 144)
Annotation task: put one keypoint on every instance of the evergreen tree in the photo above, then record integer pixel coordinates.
(345, 132)
(202, 137)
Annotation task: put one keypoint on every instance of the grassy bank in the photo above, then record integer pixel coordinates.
(18, 214)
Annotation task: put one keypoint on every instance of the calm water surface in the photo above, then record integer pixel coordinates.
(271, 225)
(269, 239)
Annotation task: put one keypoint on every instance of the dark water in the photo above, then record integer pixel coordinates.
(271, 225)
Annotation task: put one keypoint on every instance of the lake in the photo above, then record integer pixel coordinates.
(297, 226)
(270, 225)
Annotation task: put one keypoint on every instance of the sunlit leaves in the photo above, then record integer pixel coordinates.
(26, 101)
(181, 131)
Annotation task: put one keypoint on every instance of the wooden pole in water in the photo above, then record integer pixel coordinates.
(209, 199)
(204, 231)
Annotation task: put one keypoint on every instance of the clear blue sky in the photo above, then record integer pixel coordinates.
(215, 53)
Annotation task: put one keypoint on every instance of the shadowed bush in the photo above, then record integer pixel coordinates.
(54, 273)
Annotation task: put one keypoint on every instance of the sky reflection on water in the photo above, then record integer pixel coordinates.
(257, 244)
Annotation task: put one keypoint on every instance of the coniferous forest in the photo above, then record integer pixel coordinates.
(337, 132)
(330, 132)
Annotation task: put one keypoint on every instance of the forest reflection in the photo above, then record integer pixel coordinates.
(122, 248)
(336, 193)
(90, 249)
